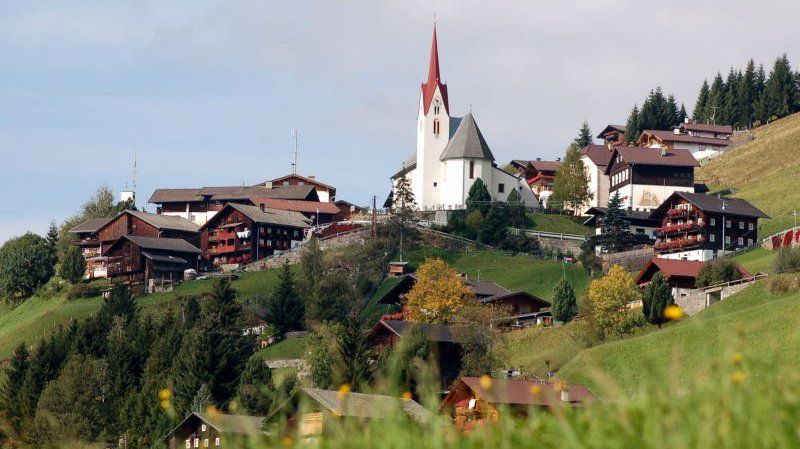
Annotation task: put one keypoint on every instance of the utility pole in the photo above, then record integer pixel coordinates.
(374, 217)
(294, 154)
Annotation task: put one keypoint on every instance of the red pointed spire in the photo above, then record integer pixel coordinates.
(434, 79)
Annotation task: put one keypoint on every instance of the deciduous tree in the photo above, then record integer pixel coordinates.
(571, 185)
(610, 296)
(438, 294)
(26, 263)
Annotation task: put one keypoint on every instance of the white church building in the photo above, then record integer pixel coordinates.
(452, 153)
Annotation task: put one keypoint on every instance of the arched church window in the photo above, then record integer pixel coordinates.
(471, 169)
(436, 127)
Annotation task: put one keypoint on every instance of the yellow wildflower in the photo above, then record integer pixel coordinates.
(344, 389)
(486, 382)
(673, 312)
(165, 404)
(287, 441)
(164, 394)
(535, 390)
(738, 377)
(406, 395)
(737, 358)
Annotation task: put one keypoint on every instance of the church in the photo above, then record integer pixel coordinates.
(452, 153)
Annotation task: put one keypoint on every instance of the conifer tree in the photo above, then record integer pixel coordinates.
(584, 135)
(403, 201)
(672, 112)
(682, 114)
(571, 185)
(656, 298)
(781, 91)
(716, 100)
(479, 198)
(515, 208)
(73, 267)
(353, 365)
(565, 305)
(10, 399)
(254, 388)
(495, 226)
(614, 232)
(284, 307)
(633, 126)
(698, 114)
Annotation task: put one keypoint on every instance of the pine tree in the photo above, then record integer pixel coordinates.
(673, 113)
(716, 100)
(202, 399)
(284, 307)
(698, 114)
(479, 198)
(614, 231)
(403, 202)
(515, 208)
(571, 185)
(52, 238)
(565, 305)
(781, 91)
(584, 136)
(312, 268)
(760, 112)
(495, 226)
(253, 393)
(353, 361)
(10, 399)
(73, 267)
(748, 95)
(656, 298)
(119, 303)
(633, 126)
(682, 114)
(732, 109)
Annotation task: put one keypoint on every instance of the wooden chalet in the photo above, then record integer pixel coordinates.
(707, 130)
(700, 146)
(612, 135)
(443, 344)
(312, 410)
(474, 401)
(218, 430)
(87, 239)
(645, 177)
(641, 224)
(316, 211)
(326, 193)
(240, 234)
(700, 227)
(539, 175)
(679, 274)
(519, 309)
(142, 224)
(347, 210)
(150, 260)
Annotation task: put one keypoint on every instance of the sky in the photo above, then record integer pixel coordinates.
(207, 93)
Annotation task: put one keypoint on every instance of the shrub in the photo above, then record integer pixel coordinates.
(788, 259)
(521, 244)
(718, 271)
(85, 290)
(783, 283)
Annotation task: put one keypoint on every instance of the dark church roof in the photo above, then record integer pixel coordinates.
(467, 142)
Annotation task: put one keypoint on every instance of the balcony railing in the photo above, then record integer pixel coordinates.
(680, 227)
(122, 264)
(679, 244)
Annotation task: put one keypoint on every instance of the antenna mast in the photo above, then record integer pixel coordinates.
(294, 158)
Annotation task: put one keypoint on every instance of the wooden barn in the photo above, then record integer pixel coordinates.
(475, 401)
(142, 224)
(240, 234)
(217, 430)
(150, 260)
(326, 193)
(87, 239)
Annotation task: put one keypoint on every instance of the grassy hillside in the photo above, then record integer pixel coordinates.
(558, 223)
(761, 326)
(763, 171)
(37, 317)
(758, 260)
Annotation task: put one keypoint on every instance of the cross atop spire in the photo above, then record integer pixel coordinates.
(434, 77)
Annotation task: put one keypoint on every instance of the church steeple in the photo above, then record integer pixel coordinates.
(434, 79)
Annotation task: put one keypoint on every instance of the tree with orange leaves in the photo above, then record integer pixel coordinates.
(438, 294)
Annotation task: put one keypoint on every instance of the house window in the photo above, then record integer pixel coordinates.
(203, 428)
(471, 169)
(712, 238)
(712, 221)
(501, 188)
(205, 442)
(216, 441)
(188, 444)
(727, 224)
(749, 242)
(197, 442)
(285, 183)
(301, 183)
(436, 107)
(740, 241)
(750, 226)
(741, 225)
(727, 239)
(436, 127)
(435, 183)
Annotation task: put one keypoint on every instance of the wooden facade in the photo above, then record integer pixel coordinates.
(622, 173)
(87, 239)
(133, 259)
(217, 430)
(141, 224)
(242, 234)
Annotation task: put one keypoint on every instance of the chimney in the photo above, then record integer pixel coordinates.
(565, 395)
(663, 151)
(686, 120)
(676, 130)
(538, 159)
(558, 159)
(263, 209)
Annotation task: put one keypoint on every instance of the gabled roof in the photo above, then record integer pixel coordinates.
(670, 268)
(519, 293)
(170, 222)
(712, 203)
(407, 281)
(540, 165)
(518, 392)
(91, 225)
(309, 207)
(654, 156)
(306, 179)
(610, 128)
(485, 288)
(433, 332)
(230, 193)
(600, 155)
(159, 244)
(705, 128)
(434, 79)
(268, 215)
(467, 142)
(670, 136)
(226, 424)
(371, 406)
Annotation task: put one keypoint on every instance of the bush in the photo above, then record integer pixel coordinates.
(788, 259)
(521, 244)
(26, 263)
(85, 290)
(718, 271)
(783, 283)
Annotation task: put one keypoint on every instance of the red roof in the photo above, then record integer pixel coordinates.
(670, 136)
(600, 155)
(519, 392)
(434, 79)
(703, 128)
(297, 206)
(672, 267)
(654, 156)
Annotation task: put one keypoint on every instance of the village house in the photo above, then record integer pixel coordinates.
(539, 176)
(445, 348)
(697, 142)
(315, 409)
(645, 177)
(706, 130)
(700, 227)
(681, 275)
(474, 401)
(451, 153)
(347, 210)
(156, 263)
(595, 159)
(325, 193)
(142, 224)
(640, 224)
(239, 234)
(88, 241)
(217, 430)
(612, 135)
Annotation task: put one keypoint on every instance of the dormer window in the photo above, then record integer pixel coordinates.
(436, 127)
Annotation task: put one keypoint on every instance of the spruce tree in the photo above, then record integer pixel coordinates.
(565, 305)
(495, 226)
(285, 309)
(716, 100)
(614, 232)
(682, 114)
(10, 399)
(673, 113)
(633, 126)
(515, 208)
(760, 112)
(403, 201)
(353, 360)
(73, 267)
(698, 114)
(584, 135)
(254, 394)
(479, 198)
(781, 91)
(657, 296)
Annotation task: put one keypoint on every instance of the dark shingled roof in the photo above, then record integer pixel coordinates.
(306, 179)
(546, 165)
(670, 136)
(275, 216)
(432, 332)
(600, 155)
(165, 221)
(196, 195)
(712, 203)
(241, 424)
(485, 288)
(653, 156)
(161, 244)
(618, 128)
(467, 142)
(371, 406)
(703, 128)
(521, 392)
(90, 225)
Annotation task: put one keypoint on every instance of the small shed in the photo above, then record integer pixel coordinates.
(213, 430)
(397, 269)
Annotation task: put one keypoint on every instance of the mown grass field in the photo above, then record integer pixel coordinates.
(566, 224)
(37, 318)
(758, 260)
(759, 325)
(763, 171)
(292, 348)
